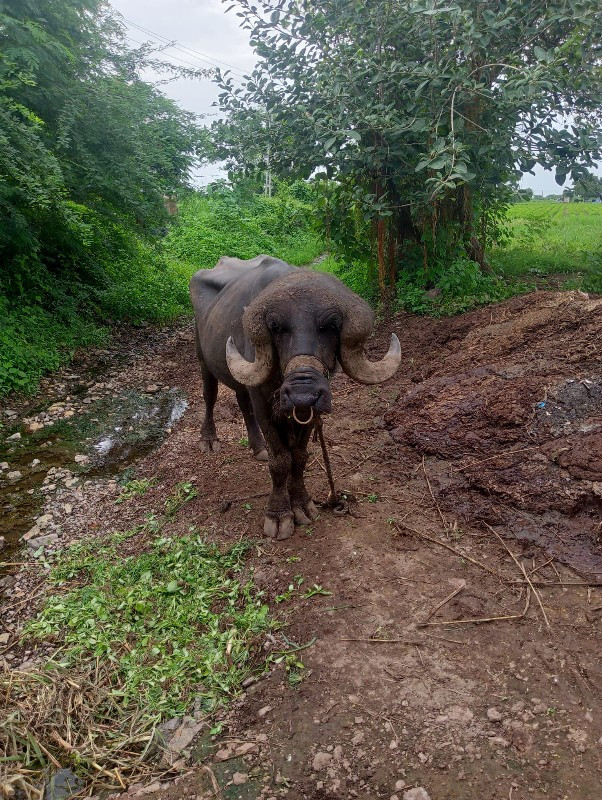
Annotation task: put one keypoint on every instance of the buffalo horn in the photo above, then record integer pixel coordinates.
(356, 365)
(249, 373)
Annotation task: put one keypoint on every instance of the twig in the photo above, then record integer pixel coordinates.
(559, 583)
(497, 455)
(363, 460)
(428, 483)
(451, 549)
(383, 641)
(443, 639)
(478, 620)
(446, 600)
(521, 567)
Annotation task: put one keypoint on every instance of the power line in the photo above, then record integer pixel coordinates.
(171, 55)
(184, 48)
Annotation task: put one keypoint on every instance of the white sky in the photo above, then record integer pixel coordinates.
(203, 26)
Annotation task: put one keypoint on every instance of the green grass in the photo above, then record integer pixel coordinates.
(176, 621)
(552, 239)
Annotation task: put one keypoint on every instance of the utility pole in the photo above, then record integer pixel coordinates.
(267, 186)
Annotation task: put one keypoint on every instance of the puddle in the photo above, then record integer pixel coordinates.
(112, 432)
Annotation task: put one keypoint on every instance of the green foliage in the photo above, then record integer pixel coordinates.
(420, 111)
(135, 488)
(225, 222)
(87, 151)
(176, 621)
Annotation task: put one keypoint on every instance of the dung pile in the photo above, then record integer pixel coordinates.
(508, 411)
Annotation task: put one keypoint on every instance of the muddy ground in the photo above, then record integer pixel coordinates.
(458, 654)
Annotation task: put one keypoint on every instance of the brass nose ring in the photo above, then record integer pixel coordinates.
(300, 421)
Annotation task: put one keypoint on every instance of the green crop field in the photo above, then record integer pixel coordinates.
(558, 242)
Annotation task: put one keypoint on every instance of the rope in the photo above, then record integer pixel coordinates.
(335, 500)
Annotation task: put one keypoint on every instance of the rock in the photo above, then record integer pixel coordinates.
(14, 475)
(399, 785)
(14, 437)
(152, 388)
(2, 542)
(4, 637)
(240, 778)
(321, 761)
(3, 465)
(264, 711)
(69, 413)
(460, 714)
(246, 748)
(79, 458)
(493, 715)
(42, 541)
(35, 426)
(499, 741)
(178, 739)
(62, 785)
(418, 793)
(432, 294)
(35, 462)
(44, 521)
(68, 508)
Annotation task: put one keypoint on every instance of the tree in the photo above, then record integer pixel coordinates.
(87, 148)
(423, 110)
(588, 188)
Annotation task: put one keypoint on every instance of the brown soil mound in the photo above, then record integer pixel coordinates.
(508, 408)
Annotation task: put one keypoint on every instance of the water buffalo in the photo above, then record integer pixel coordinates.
(274, 333)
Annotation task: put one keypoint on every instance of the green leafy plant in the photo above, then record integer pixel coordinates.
(135, 488)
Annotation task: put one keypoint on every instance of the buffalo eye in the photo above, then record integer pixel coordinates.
(331, 323)
(275, 325)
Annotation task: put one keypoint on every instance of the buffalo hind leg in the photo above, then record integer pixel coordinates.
(303, 507)
(256, 440)
(209, 440)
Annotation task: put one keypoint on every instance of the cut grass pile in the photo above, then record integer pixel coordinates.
(550, 239)
(139, 639)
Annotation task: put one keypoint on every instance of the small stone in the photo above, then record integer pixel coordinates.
(79, 458)
(4, 637)
(14, 475)
(246, 748)
(152, 388)
(44, 520)
(42, 541)
(14, 437)
(69, 413)
(321, 761)
(418, 793)
(399, 785)
(3, 465)
(62, 785)
(35, 426)
(499, 741)
(240, 778)
(493, 715)
(68, 508)
(264, 711)
(35, 462)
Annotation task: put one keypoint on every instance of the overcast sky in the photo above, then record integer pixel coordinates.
(204, 27)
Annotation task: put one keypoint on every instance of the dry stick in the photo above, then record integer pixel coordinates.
(478, 620)
(362, 460)
(521, 566)
(445, 600)
(444, 639)
(382, 641)
(428, 483)
(452, 550)
(498, 455)
(559, 583)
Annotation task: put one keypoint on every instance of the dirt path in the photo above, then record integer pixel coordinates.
(455, 450)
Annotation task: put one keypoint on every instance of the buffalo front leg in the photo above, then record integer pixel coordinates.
(279, 521)
(303, 507)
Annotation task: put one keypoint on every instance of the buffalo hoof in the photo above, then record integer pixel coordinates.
(210, 446)
(279, 526)
(306, 513)
(261, 455)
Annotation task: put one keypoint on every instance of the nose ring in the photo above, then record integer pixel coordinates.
(300, 421)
